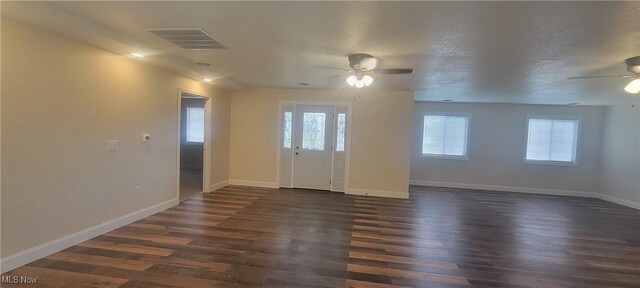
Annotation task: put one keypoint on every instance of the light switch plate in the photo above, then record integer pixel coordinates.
(146, 138)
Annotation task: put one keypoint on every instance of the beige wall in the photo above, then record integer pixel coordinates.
(61, 101)
(496, 146)
(620, 180)
(380, 139)
(220, 134)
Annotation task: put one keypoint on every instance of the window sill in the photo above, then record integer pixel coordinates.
(445, 157)
(551, 163)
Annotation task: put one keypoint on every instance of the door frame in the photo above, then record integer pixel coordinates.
(206, 145)
(347, 137)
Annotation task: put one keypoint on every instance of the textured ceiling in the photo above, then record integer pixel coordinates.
(510, 52)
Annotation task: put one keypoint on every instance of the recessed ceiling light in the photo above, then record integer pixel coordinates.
(206, 80)
(137, 55)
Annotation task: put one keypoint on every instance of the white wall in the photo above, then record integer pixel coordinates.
(620, 181)
(496, 147)
(61, 101)
(380, 137)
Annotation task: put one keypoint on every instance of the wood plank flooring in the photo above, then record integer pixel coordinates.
(440, 237)
(190, 183)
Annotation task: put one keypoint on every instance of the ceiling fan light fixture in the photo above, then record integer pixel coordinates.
(367, 80)
(351, 80)
(354, 81)
(633, 86)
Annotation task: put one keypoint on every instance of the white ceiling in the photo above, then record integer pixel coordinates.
(510, 52)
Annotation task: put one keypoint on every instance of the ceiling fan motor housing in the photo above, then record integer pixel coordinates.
(355, 60)
(633, 65)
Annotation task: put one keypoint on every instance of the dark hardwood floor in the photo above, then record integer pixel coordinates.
(190, 183)
(250, 237)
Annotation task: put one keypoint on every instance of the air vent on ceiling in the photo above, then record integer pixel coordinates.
(204, 64)
(188, 38)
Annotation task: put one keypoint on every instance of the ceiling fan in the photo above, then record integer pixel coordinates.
(633, 66)
(363, 66)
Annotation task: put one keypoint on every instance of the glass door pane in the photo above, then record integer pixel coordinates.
(313, 131)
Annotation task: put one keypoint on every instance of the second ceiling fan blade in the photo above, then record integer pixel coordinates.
(394, 71)
(597, 77)
(333, 68)
(339, 75)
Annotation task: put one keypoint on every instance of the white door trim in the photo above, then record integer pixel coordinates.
(206, 158)
(349, 118)
(334, 137)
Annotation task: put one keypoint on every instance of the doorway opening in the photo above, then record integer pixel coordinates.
(193, 143)
(314, 142)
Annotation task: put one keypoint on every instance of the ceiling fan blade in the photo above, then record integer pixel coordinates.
(339, 75)
(597, 77)
(394, 71)
(333, 68)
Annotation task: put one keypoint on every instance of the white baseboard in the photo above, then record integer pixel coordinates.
(619, 201)
(253, 183)
(600, 196)
(25, 257)
(503, 188)
(378, 193)
(218, 185)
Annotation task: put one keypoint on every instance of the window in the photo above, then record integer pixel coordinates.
(313, 131)
(550, 140)
(340, 127)
(286, 129)
(445, 136)
(195, 124)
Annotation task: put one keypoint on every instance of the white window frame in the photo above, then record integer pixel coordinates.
(442, 156)
(576, 140)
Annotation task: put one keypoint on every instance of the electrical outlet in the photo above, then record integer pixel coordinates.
(146, 138)
(112, 145)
